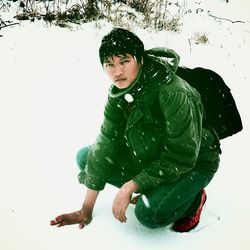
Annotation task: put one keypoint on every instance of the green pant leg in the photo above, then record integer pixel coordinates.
(171, 202)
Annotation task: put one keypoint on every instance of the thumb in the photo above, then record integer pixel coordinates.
(82, 224)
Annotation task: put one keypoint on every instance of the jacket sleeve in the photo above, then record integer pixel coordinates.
(106, 148)
(183, 131)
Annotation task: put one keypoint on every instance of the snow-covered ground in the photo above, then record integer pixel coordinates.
(52, 92)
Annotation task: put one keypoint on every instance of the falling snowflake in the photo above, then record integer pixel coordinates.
(109, 160)
(161, 173)
(145, 201)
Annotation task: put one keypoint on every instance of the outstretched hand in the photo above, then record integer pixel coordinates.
(80, 217)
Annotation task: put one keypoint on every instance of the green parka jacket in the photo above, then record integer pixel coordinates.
(156, 126)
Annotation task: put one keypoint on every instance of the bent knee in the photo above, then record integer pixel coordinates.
(151, 216)
(81, 157)
(148, 217)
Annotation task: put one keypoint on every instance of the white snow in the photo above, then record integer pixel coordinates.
(52, 93)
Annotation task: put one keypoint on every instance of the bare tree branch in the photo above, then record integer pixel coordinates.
(5, 24)
(225, 19)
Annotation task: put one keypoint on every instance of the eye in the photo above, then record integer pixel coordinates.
(108, 65)
(124, 61)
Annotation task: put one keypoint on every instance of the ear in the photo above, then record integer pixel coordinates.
(141, 61)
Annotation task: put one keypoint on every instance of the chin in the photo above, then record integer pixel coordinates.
(122, 86)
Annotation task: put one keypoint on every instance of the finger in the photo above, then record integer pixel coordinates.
(85, 222)
(116, 215)
(115, 212)
(61, 224)
(57, 220)
(122, 220)
(82, 225)
(88, 220)
(53, 222)
(122, 216)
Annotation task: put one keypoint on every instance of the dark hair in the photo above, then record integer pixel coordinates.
(120, 42)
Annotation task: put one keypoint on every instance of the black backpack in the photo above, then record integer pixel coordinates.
(221, 110)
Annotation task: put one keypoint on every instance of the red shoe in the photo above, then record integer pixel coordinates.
(187, 224)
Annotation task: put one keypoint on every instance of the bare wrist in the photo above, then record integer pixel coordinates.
(86, 208)
(130, 187)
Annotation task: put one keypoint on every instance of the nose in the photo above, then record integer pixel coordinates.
(118, 70)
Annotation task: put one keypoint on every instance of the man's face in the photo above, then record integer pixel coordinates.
(122, 70)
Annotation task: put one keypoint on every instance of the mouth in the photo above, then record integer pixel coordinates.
(120, 80)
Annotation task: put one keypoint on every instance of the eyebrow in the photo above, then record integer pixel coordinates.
(121, 56)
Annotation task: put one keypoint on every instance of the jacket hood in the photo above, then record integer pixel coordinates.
(167, 57)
